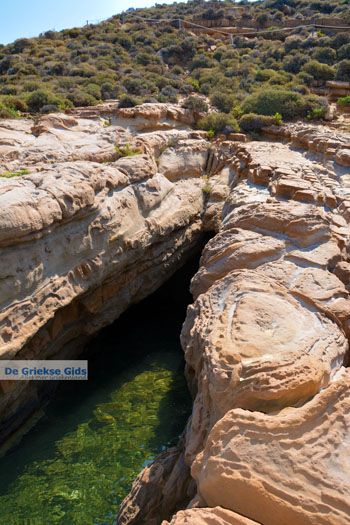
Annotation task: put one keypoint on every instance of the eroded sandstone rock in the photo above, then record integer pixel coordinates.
(289, 467)
(82, 240)
(86, 234)
(269, 331)
(209, 516)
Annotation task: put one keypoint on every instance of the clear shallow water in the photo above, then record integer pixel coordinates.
(78, 462)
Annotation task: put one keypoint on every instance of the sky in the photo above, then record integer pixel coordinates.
(27, 18)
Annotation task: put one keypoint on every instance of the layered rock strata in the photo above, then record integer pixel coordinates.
(145, 117)
(316, 138)
(84, 234)
(265, 344)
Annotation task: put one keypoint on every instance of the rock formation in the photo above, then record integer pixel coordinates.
(266, 341)
(86, 232)
(83, 235)
(214, 516)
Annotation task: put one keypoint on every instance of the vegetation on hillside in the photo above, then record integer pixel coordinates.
(135, 60)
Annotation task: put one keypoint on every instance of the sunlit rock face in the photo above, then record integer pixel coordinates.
(84, 234)
(87, 232)
(141, 118)
(290, 467)
(209, 516)
(266, 339)
(267, 332)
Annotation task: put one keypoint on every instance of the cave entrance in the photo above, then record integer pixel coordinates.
(77, 463)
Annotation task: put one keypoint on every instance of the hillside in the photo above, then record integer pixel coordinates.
(136, 56)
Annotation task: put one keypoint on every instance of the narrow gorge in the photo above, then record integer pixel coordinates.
(110, 204)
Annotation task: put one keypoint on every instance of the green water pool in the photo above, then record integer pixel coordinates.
(77, 463)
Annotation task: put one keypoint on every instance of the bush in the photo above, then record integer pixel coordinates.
(15, 103)
(38, 99)
(288, 103)
(319, 71)
(340, 40)
(224, 102)
(196, 104)
(127, 101)
(344, 101)
(326, 55)
(344, 52)
(343, 71)
(81, 99)
(201, 61)
(219, 123)
(6, 112)
(253, 123)
(315, 107)
(316, 114)
(102, 61)
(168, 94)
(8, 90)
(49, 108)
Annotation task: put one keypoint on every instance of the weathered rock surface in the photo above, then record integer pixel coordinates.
(86, 234)
(290, 467)
(316, 138)
(82, 240)
(160, 489)
(209, 516)
(267, 337)
(144, 117)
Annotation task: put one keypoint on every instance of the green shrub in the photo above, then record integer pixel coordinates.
(312, 103)
(264, 75)
(15, 103)
(344, 101)
(6, 113)
(127, 101)
(37, 99)
(10, 174)
(344, 52)
(319, 71)
(343, 71)
(326, 55)
(253, 123)
(196, 104)
(316, 114)
(168, 94)
(127, 151)
(81, 66)
(219, 123)
(8, 90)
(40, 98)
(224, 102)
(287, 103)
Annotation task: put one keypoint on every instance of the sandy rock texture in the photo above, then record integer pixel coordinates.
(82, 237)
(317, 138)
(209, 516)
(84, 233)
(290, 467)
(266, 340)
(141, 118)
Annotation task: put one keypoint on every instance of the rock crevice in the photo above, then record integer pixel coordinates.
(85, 234)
